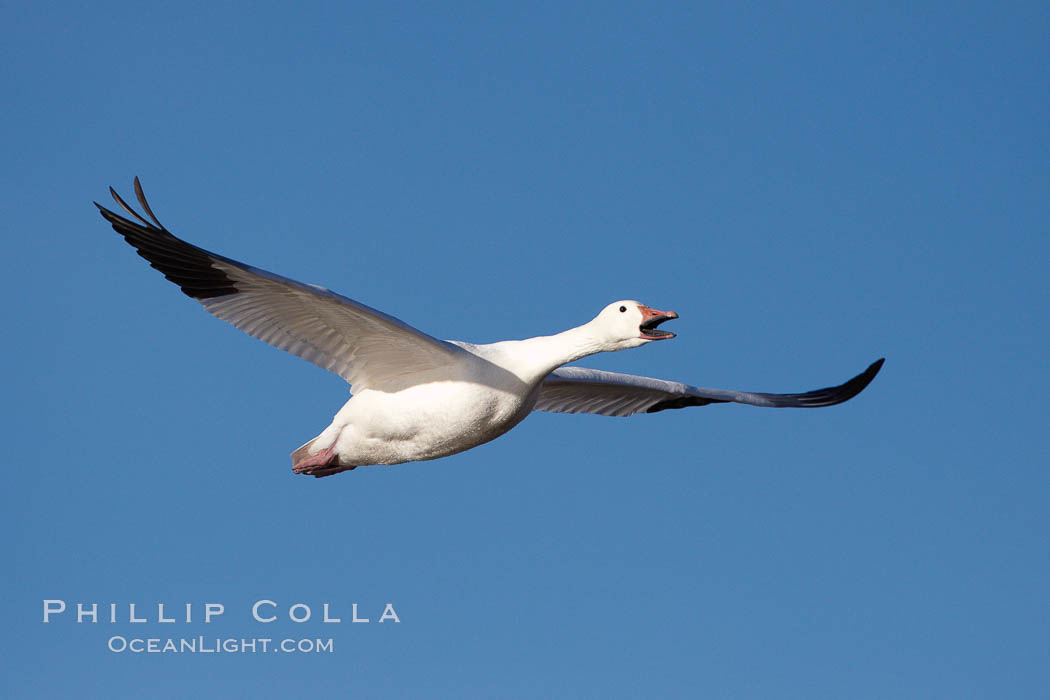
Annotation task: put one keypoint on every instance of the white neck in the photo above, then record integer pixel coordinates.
(537, 357)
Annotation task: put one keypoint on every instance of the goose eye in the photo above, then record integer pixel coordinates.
(622, 309)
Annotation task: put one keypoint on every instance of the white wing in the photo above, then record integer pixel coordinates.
(364, 346)
(579, 390)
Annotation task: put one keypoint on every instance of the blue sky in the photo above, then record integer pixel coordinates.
(810, 186)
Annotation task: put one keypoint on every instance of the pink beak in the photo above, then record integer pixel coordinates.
(651, 333)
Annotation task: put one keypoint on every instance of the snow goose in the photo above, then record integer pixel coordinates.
(415, 397)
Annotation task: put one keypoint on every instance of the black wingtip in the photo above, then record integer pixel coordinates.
(829, 396)
(184, 264)
(124, 205)
(873, 369)
(145, 205)
(856, 385)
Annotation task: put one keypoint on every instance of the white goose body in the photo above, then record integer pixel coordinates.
(416, 397)
(488, 390)
(475, 402)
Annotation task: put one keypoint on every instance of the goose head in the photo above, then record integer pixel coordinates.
(629, 324)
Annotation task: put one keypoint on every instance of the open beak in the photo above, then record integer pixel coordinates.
(651, 318)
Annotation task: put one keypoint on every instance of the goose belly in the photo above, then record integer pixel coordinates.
(425, 421)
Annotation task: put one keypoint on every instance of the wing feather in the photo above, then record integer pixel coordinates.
(580, 390)
(365, 346)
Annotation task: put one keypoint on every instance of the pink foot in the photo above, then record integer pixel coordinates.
(329, 471)
(323, 459)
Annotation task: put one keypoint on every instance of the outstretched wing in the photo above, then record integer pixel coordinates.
(579, 390)
(364, 346)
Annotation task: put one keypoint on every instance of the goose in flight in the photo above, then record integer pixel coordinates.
(415, 397)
